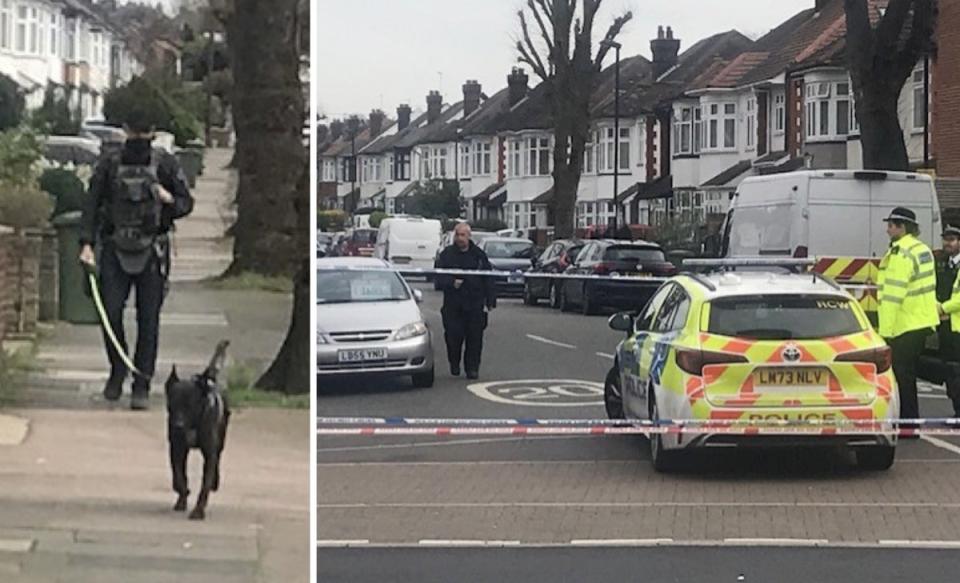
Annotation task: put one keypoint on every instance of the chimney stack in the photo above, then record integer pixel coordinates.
(665, 49)
(403, 116)
(434, 106)
(471, 97)
(376, 122)
(517, 84)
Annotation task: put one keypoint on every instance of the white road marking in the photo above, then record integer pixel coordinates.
(938, 544)
(540, 392)
(443, 443)
(936, 442)
(342, 543)
(551, 342)
(605, 355)
(16, 545)
(467, 543)
(621, 542)
(776, 542)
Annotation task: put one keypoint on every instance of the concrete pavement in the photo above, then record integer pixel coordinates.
(85, 492)
(554, 491)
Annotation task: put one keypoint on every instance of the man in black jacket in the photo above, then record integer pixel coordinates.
(135, 196)
(466, 300)
(949, 341)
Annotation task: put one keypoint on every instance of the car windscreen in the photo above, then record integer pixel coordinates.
(633, 253)
(364, 236)
(336, 286)
(508, 249)
(783, 317)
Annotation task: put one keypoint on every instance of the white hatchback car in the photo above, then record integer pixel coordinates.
(369, 322)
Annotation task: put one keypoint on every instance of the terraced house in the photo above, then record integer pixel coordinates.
(65, 45)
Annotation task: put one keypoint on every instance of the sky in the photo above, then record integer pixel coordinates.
(380, 53)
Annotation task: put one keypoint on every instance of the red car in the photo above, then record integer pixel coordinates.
(359, 243)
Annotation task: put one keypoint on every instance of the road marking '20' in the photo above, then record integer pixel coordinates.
(541, 392)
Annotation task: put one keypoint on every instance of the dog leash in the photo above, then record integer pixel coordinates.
(105, 322)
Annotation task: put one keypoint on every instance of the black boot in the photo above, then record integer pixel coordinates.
(455, 369)
(114, 387)
(140, 399)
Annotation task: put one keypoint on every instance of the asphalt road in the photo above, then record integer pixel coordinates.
(433, 493)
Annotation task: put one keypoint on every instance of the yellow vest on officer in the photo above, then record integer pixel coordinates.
(952, 306)
(907, 288)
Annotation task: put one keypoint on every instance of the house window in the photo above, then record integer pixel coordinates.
(33, 32)
(729, 125)
(465, 160)
(697, 130)
(829, 110)
(21, 30)
(605, 158)
(54, 34)
(779, 113)
(6, 24)
(538, 157)
(854, 122)
(589, 154)
(682, 131)
(426, 160)
(722, 126)
(514, 165)
(919, 95)
(401, 166)
(843, 108)
(441, 157)
(516, 216)
(533, 216)
(751, 122)
(481, 162)
(624, 149)
(70, 50)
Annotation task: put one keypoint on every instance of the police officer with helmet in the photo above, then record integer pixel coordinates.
(908, 303)
(135, 196)
(948, 296)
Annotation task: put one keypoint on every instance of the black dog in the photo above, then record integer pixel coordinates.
(197, 417)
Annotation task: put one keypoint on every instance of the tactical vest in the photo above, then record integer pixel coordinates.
(135, 214)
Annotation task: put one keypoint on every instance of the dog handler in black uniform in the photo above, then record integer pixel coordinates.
(135, 196)
(466, 300)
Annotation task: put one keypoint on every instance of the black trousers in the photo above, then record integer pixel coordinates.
(462, 325)
(907, 349)
(950, 354)
(115, 286)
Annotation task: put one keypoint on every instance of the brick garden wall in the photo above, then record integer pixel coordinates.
(19, 283)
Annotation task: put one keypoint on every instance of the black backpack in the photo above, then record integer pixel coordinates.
(135, 208)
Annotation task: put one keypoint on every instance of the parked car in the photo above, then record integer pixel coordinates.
(369, 322)
(71, 150)
(635, 261)
(509, 254)
(558, 256)
(447, 240)
(359, 243)
(324, 242)
(408, 241)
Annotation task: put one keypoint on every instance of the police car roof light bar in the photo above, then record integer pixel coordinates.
(700, 279)
(751, 262)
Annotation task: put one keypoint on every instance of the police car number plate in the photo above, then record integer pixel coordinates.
(362, 355)
(791, 377)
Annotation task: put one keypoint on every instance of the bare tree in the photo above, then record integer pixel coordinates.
(564, 60)
(881, 59)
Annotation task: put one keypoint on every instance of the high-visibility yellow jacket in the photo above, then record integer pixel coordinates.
(952, 306)
(907, 288)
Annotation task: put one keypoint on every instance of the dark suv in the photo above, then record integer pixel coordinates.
(555, 259)
(636, 261)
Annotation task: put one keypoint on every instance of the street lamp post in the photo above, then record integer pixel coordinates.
(616, 130)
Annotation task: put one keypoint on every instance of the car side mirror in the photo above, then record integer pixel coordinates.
(621, 322)
(418, 296)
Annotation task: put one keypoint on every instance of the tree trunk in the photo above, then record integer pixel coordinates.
(290, 371)
(268, 114)
(881, 136)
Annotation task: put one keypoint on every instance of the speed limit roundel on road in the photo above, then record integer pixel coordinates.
(541, 392)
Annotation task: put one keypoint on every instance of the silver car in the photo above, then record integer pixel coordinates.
(368, 322)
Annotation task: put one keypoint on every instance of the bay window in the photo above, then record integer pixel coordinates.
(697, 130)
(513, 147)
(779, 113)
(33, 32)
(589, 154)
(465, 160)
(391, 168)
(919, 96)
(440, 155)
(538, 157)
(6, 24)
(605, 159)
(683, 132)
(624, 151)
(481, 159)
(401, 166)
(751, 122)
(20, 34)
(54, 34)
(722, 126)
(426, 160)
(829, 110)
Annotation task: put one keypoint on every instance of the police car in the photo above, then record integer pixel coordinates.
(759, 347)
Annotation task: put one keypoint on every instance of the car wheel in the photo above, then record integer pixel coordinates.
(612, 395)
(562, 302)
(423, 380)
(528, 298)
(663, 459)
(875, 458)
(554, 296)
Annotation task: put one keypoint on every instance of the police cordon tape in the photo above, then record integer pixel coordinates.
(373, 426)
(622, 278)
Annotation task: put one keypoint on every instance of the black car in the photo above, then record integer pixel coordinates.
(634, 263)
(509, 254)
(557, 257)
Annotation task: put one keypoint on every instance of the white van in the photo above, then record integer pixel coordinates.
(411, 241)
(826, 213)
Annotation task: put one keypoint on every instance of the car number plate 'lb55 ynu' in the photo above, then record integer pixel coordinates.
(791, 377)
(362, 355)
